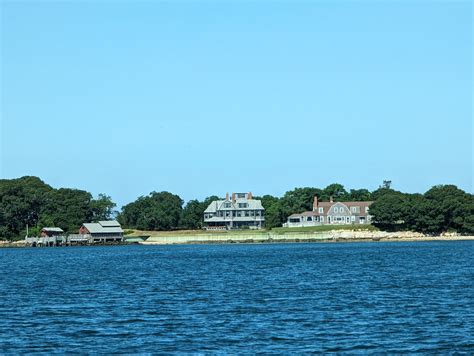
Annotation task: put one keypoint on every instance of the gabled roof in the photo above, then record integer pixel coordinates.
(347, 203)
(252, 204)
(103, 227)
(52, 229)
(109, 223)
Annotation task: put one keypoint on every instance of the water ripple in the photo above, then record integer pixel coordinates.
(289, 298)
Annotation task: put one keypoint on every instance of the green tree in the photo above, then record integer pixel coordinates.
(21, 202)
(389, 211)
(192, 215)
(68, 208)
(451, 207)
(359, 195)
(157, 211)
(274, 214)
(102, 208)
(336, 191)
(298, 200)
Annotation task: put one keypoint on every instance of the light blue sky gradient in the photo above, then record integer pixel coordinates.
(201, 98)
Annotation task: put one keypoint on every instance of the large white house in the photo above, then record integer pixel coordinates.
(240, 211)
(337, 213)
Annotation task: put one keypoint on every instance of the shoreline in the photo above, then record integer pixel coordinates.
(268, 240)
(315, 240)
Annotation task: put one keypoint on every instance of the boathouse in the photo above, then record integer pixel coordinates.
(103, 231)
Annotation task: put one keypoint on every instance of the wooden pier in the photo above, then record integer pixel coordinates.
(69, 240)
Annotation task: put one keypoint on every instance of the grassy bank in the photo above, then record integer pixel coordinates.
(278, 230)
(323, 228)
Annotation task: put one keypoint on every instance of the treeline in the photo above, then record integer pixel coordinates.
(443, 208)
(164, 211)
(29, 201)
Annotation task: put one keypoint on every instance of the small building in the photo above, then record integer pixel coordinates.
(240, 211)
(336, 213)
(51, 231)
(104, 231)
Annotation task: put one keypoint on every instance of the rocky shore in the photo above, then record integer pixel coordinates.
(329, 236)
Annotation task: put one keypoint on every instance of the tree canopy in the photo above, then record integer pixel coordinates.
(442, 208)
(156, 211)
(30, 201)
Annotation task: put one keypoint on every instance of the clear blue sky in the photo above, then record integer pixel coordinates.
(201, 98)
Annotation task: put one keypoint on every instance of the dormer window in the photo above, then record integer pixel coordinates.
(243, 205)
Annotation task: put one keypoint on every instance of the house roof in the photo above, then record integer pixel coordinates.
(109, 223)
(252, 204)
(52, 229)
(103, 227)
(347, 203)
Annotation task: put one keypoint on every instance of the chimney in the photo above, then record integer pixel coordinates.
(330, 199)
(227, 196)
(233, 198)
(315, 203)
(249, 196)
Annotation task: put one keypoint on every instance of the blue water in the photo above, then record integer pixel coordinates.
(272, 298)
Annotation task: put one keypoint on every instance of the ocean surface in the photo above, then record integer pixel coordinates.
(413, 297)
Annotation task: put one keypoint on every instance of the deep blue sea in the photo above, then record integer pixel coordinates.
(413, 297)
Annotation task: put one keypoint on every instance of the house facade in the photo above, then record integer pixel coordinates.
(105, 231)
(240, 211)
(337, 213)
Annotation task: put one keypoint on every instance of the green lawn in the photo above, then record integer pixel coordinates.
(276, 230)
(323, 228)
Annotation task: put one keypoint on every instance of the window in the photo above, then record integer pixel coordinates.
(347, 219)
(355, 209)
(227, 205)
(309, 218)
(321, 210)
(243, 205)
(353, 218)
(227, 213)
(366, 209)
(240, 195)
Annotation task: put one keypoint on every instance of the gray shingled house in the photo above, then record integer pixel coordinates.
(240, 211)
(336, 213)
